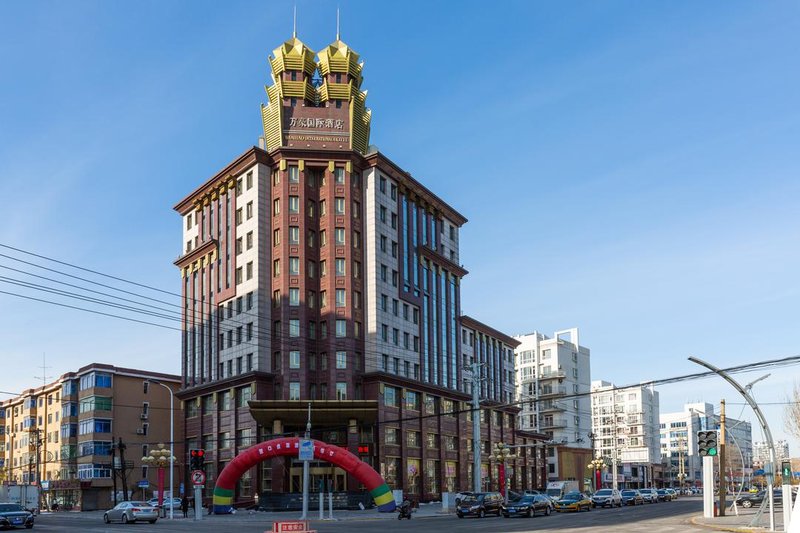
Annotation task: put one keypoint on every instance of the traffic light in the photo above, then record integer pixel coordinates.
(707, 443)
(197, 459)
(786, 472)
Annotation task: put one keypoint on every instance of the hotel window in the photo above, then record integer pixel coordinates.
(412, 439)
(394, 249)
(389, 396)
(356, 209)
(432, 441)
(383, 243)
(294, 390)
(384, 332)
(391, 436)
(311, 299)
(238, 246)
(357, 269)
(294, 327)
(189, 221)
(384, 276)
(238, 275)
(384, 302)
(249, 331)
(341, 359)
(249, 240)
(276, 207)
(393, 192)
(382, 214)
(412, 401)
(276, 268)
(312, 329)
(341, 328)
(311, 269)
(339, 236)
(356, 239)
(276, 237)
(340, 266)
(294, 175)
(311, 238)
(249, 180)
(239, 187)
(323, 238)
(294, 266)
(382, 185)
(238, 216)
(356, 300)
(310, 208)
(338, 172)
(294, 205)
(323, 299)
(323, 208)
(294, 296)
(249, 267)
(323, 268)
(249, 210)
(276, 298)
(341, 390)
(394, 220)
(340, 298)
(294, 235)
(276, 177)
(338, 206)
(294, 359)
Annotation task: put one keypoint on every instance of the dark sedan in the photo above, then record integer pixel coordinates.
(14, 515)
(527, 506)
(480, 504)
(663, 495)
(631, 497)
(750, 499)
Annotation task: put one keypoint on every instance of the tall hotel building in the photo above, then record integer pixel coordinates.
(315, 269)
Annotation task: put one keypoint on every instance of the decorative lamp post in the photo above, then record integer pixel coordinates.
(598, 464)
(502, 454)
(160, 458)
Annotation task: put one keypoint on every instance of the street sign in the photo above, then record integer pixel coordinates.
(181, 488)
(306, 451)
(143, 484)
(198, 478)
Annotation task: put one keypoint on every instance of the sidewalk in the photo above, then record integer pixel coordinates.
(432, 510)
(741, 523)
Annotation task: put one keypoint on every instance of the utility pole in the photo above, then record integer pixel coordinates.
(722, 484)
(614, 482)
(122, 475)
(305, 468)
(114, 470)
(476, 427)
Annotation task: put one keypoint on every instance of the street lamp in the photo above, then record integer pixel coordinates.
(160, 458)
(171, 444)
(502, 454)
(598, 464)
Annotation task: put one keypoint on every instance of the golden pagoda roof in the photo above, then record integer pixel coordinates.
(338, 57)
(293, 55)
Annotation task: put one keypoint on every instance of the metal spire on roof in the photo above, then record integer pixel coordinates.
(337, 23)
(294, 25)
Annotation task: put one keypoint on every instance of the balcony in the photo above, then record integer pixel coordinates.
(550, 392)
(552, 423)
(553, 374)
(551, 408)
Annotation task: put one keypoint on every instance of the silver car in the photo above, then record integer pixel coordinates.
(129, 512)
(649, 495)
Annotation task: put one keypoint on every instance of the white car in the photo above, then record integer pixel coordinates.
(607, 497)
(175, 503)
(649, 495)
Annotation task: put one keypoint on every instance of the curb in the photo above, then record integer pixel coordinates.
(696, 521)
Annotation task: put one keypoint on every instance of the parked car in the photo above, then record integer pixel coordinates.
(749, 499)
(480, 504)
(631, 497)
(527, 505)
(14, 515)
(129, 512)
(607, 497)
(673, 493)
(663, 495)
(175, 503)
(649, 495)
(460, 496)
(574, 501)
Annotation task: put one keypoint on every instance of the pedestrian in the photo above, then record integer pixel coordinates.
(185, 507)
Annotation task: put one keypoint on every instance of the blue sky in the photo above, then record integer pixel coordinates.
(630, 168)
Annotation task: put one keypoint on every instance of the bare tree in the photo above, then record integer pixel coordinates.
(792, 420)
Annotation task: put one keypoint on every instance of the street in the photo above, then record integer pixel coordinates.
(668, 517)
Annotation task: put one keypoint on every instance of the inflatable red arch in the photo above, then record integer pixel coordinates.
(226, 482)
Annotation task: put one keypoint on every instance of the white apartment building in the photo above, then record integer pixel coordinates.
(761, 451)
(679, 453)
(625, 426)
(552, 380)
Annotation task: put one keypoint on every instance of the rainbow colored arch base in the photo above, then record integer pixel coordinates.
(226, 482)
